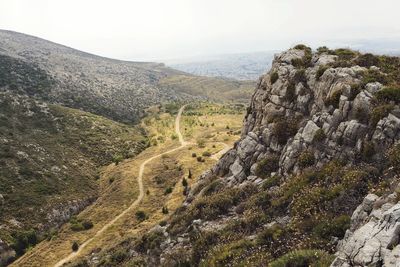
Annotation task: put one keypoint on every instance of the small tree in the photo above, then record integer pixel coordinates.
(184, 182)
(190, 174)
(75, 246)
(117, 159)
(140, 215)
(165, 210)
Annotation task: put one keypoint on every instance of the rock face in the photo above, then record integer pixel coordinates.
(373, 239)
(325, 115)
(315, 141)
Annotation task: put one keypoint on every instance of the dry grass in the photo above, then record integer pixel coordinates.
(118, 195)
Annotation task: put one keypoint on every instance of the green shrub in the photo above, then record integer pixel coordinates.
(269, 235)
(334, 99)
(226, 254)
(355, 89)
(75, 246)
(380, 112)
(371, 76)
(300, 76)
(211, 206)
(261, 200)
(306, 60)
(271, 181)
(119, 255)
(361, 115)
(200, 159)
(301, 47)
(213, 187)
(206, 154)
(283, 130)
(202, 244)
(321, 70)
(87, 225)
(194, 155)
(274, 77)
(184, 182)
(163, 223)
(140, 215)
(117, 159)
(150, 240)
(336, 227)
(388, 94)
(164, 210)
(267, 165)
(344, 53)
(79, 225)
(290, 95)
(368, 60)
(367, 151)
(24, 240)
(306, 159)
(319, 135)
(394, 156)
(303, 258)
(323, 49)
(201, 143)
(168, 190)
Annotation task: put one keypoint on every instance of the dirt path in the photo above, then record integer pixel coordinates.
(218, 155)
(139, 198)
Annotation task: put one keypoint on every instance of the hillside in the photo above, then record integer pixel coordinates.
(321, 133)
(119, 90)
(49, 158)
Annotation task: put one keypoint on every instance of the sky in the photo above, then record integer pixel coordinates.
(170, 29)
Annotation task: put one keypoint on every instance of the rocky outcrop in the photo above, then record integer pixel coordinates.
(373, 239)
(7, 254)
(322, 112)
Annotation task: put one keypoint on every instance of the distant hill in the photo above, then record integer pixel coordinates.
(244, 66)
(119, 90)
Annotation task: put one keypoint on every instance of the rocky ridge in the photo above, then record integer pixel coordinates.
(315, 140)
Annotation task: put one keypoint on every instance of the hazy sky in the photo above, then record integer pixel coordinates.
(162, 29)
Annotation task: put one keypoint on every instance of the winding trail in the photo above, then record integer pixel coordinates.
(139, 198)
(218, 155)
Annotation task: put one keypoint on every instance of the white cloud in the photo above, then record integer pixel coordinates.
(151, 29)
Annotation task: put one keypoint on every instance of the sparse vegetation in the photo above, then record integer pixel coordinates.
(389, 94)
(290, 95)
(394, 156)
(140, 215)
(321, 70)
(267, 165)
(283, 130)
(380, 112)
(319, 135)
(274, 77)
(306, 159)
(333, 99)
(301, 258)
(75, 246)
(80, 225)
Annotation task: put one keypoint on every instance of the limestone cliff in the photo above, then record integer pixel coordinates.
(321, 132)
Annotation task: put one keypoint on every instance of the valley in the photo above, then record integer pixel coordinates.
(147, 183)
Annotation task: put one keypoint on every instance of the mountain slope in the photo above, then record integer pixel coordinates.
(322, 131)
(116, 89)
(49, 157)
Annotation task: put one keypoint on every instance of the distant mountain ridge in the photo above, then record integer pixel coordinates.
(120, 90)
(241, 66)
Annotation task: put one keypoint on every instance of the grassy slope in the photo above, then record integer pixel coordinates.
(50, 155)
(204, 121)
